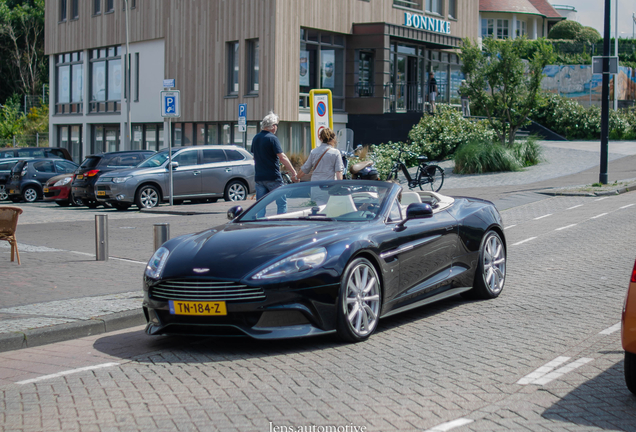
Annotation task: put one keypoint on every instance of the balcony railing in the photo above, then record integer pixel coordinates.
(405, 97)
(364, 89)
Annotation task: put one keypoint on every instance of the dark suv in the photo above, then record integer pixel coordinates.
(97, 164)
(5, 174)
(28, 176)
(35, 152)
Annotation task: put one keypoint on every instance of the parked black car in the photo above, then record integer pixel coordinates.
(5, 174)
(97, 164)
(28, 177)
(35, 152)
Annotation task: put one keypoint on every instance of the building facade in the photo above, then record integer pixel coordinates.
(503, 19)
(375, 56)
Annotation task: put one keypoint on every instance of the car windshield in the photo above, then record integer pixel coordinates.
(90, 162)
(351, 201)
(156, 160)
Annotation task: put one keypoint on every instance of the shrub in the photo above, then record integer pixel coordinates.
(438, 136)
(588, 34)
(480, 156)
(383, 156)
(565, 29)
(528, 152)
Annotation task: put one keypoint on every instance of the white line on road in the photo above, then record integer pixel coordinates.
(68, 372)
(110, 257)
(601, 199)
(628, 205)
(574, 207)
(598, 216)
(509, 226)
(611, 329)
(566, 227)
(548, 367)
(562, 371)
(544, 216)
(523, 241)
(450, 425)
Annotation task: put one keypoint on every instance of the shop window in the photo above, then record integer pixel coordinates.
(106, 80)
(212, 135)
(233, 68)
(69, 71)
(106, 138)
(252, 66)
(364, 86)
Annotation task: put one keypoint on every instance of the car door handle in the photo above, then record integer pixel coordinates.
(450, 228)
(196, 172)
(228, 169)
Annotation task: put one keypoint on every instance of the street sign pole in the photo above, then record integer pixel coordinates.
(170, 159)
(242, 122)
(603, 177)
(170, 107)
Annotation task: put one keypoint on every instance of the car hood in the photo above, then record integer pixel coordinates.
(53, 180)
(234, 251)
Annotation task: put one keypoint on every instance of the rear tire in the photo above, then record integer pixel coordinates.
(434, 176)
(630, 371)
(359, 301)
(147, 197)
(30, 194)
(3, 193)
(235, 191)
(491, 270)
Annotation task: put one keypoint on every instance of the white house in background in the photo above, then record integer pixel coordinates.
(502, 19)
(566, 11)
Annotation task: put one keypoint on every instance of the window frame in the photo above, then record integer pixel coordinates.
(70, 60)
(500, 28)
(63, 11)
(253, 66)
(452, 9)
(110, 6)
(433, 5)
(103, 55)
(233, 68)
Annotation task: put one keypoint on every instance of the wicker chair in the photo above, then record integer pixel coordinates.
(8, 225)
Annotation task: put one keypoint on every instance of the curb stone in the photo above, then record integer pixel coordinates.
(579, 192)
(73, 330)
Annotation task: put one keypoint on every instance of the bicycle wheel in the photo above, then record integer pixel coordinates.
(392, 176)
(431, 174)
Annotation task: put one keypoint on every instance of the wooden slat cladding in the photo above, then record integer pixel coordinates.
(196, 33)
(106, 29)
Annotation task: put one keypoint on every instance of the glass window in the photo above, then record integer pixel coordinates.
(63, 9)
(487, 28)
(186, 158)
(137, 77)
(321, 65)
(233, 68)
(69, 86)
(187, 134)
(77, 83)
(63, 84)
(213, 156)
(114, 80)
(44, 166)
(151, 138)
(75, 9)
(452, 9)
(212, 136)
(65, 167)
(97, 7)
(200, 134)
(234, 155)
(502, 29)
(98, 70)
(98, 139)
(112, 139)
(137, 137)
(110, 5)
(395, 214)
(252, 65)
(106, 80)
(521, 28)
(76, 143)
(226, 134)
(434, 6)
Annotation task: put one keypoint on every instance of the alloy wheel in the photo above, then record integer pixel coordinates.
(3, 193)
(30, 195)
(237, 192)
(494, 264)
(362, 300)
(149, 198)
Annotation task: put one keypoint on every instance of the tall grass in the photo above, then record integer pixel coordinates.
(481, 156)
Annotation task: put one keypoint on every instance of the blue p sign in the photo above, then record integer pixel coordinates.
(242, 110)
(170, 105)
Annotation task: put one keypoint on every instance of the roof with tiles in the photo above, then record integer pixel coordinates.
(545, 8)
(514, 6)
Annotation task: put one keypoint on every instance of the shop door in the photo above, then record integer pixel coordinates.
(400, 83)
(413, 88)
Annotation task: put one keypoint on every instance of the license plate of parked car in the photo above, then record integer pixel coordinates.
(197, 308)
(46, 190)
(79, 177)
(11, 191)
(101, 193)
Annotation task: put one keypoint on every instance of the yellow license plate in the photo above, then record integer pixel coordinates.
(101, 193)
(79, 177)
(197, 308)
(46, 190)
(11, 191)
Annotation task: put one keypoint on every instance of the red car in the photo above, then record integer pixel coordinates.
(628, 335)
(58, 189)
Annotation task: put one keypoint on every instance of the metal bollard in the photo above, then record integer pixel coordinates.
(101, 237)
(162, 234)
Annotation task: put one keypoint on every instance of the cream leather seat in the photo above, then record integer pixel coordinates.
(339, 205)
(410, 198)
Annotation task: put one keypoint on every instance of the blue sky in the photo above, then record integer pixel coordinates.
(591, 13)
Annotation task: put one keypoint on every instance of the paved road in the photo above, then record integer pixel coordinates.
(545, 355)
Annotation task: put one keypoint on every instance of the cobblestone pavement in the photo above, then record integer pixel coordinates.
(455, 365)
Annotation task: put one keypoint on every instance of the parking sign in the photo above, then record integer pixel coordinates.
(170, 106)
(242, 114)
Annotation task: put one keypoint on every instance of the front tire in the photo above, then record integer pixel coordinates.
(491, 270)
(630, 371)
(147, 197)
(235, 191)
(30, 194)
(359, 301)
(3, 193)
(434, 176)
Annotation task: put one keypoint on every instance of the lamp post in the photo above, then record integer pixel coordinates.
(128, 81)
(616, 54)
(605, 96)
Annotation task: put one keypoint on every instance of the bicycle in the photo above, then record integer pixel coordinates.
(426, 173)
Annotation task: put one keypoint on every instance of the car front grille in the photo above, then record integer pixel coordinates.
(103, 188)
(205, 290)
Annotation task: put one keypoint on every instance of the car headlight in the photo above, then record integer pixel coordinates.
(64, 181)
(301, 261)
(157, 263)
(121, 179)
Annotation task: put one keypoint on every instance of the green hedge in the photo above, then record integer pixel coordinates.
(481, 156)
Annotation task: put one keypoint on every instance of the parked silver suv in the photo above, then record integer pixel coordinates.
(198, 172)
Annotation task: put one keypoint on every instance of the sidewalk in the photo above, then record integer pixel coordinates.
(61, 292)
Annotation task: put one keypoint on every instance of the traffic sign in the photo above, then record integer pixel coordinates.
(242, 114)
(169, 83)
(170, 104)
(242, 128)
(321, 113)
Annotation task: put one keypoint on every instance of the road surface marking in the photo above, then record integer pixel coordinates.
(548, 367)
(129, 260)
(523, 241)
(68, 372)
(612, 329)
(562, 371)
(544, 216)
(598, 216)
(566, 227)
(509, 226)
(601, 199)
(450, 425)
(628, 205)
(574, 207)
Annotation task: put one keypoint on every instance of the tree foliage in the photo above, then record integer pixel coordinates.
(23, 65)
(565, 29)
(504, 85)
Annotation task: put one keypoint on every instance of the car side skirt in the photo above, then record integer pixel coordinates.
(441, 296)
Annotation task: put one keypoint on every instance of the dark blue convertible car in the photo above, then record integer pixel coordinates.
(325, 257)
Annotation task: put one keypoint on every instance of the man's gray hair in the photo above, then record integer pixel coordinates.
(269, 120)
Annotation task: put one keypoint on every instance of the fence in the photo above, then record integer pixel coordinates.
(37, 140)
